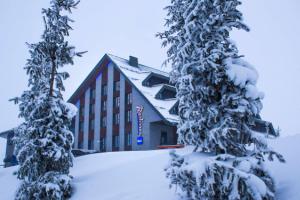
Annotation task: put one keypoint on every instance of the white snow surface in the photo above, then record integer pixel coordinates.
(244, 75)
(139, 175)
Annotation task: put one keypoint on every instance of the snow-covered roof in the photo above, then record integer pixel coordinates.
(136, 75)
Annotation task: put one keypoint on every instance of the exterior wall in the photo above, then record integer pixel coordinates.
(76, 135)
(9, 159)
(97, 113)
(149, 115)
(86, 118)
(109, 128)
(122, 113)
(156, 130)
(108, 75)
(128, 108)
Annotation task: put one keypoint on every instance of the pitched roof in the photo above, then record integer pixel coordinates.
(6, 133)
(137, 75)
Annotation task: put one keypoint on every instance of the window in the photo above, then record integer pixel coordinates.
(129, 98)
(92, 108)
(81, 110)
(104, 106)
(103, 122)
(93, 93)
(117, 102)
(104, 90)
(116, 141)
(90, 144)
(117, 86)
(80, 144)
(128, 116)
(128, 139)
(102, 144)
(92, 124)
(164, 138)
(117, 118)
(81, 126)
(72, 128)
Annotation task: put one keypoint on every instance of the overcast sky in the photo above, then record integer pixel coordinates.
(127, 27)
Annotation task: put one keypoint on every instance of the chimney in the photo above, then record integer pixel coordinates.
(133, 61)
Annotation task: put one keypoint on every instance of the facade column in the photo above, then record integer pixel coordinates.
(97, 113)
(76, 136)
(134, 120)
(122, 112)
(86, 118)
(109, 115)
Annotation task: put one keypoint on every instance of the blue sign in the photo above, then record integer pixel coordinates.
(140, 140)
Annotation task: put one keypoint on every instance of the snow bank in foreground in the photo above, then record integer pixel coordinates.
(140, 175)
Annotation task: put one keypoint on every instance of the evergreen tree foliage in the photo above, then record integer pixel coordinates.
(44, 141)
(218, 104)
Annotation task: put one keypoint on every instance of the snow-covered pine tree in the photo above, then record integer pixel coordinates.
(44, 141)
(218, 105)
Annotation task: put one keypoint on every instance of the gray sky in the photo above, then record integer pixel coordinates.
(127, 27)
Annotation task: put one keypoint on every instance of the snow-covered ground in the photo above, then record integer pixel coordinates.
(140, 175)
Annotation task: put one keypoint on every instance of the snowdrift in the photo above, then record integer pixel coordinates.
(139, 175)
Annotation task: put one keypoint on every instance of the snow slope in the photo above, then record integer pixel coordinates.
(139, 175)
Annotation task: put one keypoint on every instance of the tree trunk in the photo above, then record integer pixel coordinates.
(53, 58)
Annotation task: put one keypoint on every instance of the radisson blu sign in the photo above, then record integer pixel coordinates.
(139, 111)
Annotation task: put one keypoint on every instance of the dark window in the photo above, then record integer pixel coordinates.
(102, 144)
(128, 139)
(92, 108)
(80, 144)
(72, 128)
(117, 86)
(81, 110)
(104, 106)
(117, 118)
(90, 144)
(92, 124)
(104, 90)
(164, 138)
(81, 126)
(93, 93)
(129, 98)
(128, 116)
(103, 122)
(116, 141)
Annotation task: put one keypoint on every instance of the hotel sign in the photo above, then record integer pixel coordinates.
(139, 111)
